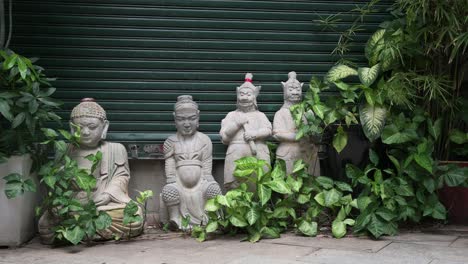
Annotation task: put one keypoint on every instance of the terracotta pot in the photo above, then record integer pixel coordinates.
(455, 199)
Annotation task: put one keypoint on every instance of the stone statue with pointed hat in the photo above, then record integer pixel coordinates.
(244, 131)
(112, 175)
(284, 130)
(188, 165)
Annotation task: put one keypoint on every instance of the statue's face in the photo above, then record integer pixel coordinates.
(93, 130)
(294, 93)
(186, 120)
(245, 98)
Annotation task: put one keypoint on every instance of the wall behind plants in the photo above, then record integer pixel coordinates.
(136, 56)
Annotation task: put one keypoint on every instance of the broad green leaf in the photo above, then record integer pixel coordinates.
(211, 226)
(211, 205)
(434, 129)
(50, 102)
(254, 237)
(252, 215)
(331, 197)
(338, 229)
(319, 110)
(279, 186)
(269, 232)
(339, 72)
(363, 202)
(325, 182)
(458, 137)
(369, 75)
(349, 222)
(343, 186)
(295, 185)
(5, 110)
(308, 228)
(264, 194)
(303, 198)
(298, 165)
(391, 135)
(340, 139)
(372, 120)
(22, 67)
(341, 214)
(376, 227)
(374, 45)
(439, 211)
(10, 62)
(373, 157)
(429, 183)
(50, 180)
(85, 181)
(50, 133)
(18, 120)
(425, 161)
(130, 213)
(238, 221)
(320, 198)
(74, 235)
(221, 199)
(386, 214)
(103, 221)
(455, 176)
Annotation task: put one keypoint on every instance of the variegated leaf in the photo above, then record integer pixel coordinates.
(339, 72)
(369, 75)
(372, 120)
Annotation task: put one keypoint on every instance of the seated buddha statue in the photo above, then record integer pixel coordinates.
(112, 174)
(188, 165)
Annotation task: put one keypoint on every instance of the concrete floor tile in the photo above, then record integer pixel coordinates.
(422, 238)
(461, 242)
(326, 256)
(410, 250)
(346, 243)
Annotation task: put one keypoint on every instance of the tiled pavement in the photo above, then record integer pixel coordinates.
(434, 247)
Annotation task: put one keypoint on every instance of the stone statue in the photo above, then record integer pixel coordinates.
(244, 130)
(284, 130)
(188, 164)
(112, 174)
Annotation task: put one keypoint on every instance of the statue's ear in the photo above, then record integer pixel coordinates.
(104, 131)
(284, 84)
(301, 85)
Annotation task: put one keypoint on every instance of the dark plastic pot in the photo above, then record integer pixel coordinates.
(356, 152)
(455, 199)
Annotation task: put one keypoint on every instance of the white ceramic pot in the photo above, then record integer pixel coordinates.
(17, 216)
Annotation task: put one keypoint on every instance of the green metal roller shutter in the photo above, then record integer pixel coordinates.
(136, 56)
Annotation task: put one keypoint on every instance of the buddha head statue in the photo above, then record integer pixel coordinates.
(292, 88)
(91, 118)
(247, 94)
(186, 115)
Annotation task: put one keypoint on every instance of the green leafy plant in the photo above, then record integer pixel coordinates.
(401, 186)
(77, 217)
(278, 202)
(25, 103)
(131, 209)
(15, 185)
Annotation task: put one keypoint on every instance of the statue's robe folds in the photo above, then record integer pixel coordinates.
(112, 179)
(291, 151)
(188, 167)
(234, 137)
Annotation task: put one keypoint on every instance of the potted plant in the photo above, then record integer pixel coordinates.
(25, 106)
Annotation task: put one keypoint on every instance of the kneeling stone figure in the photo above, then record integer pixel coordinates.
(188, 165)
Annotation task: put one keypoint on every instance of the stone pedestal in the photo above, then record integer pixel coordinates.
(17, 215)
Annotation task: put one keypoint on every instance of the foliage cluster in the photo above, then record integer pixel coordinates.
(25, 103)
(268, 202)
